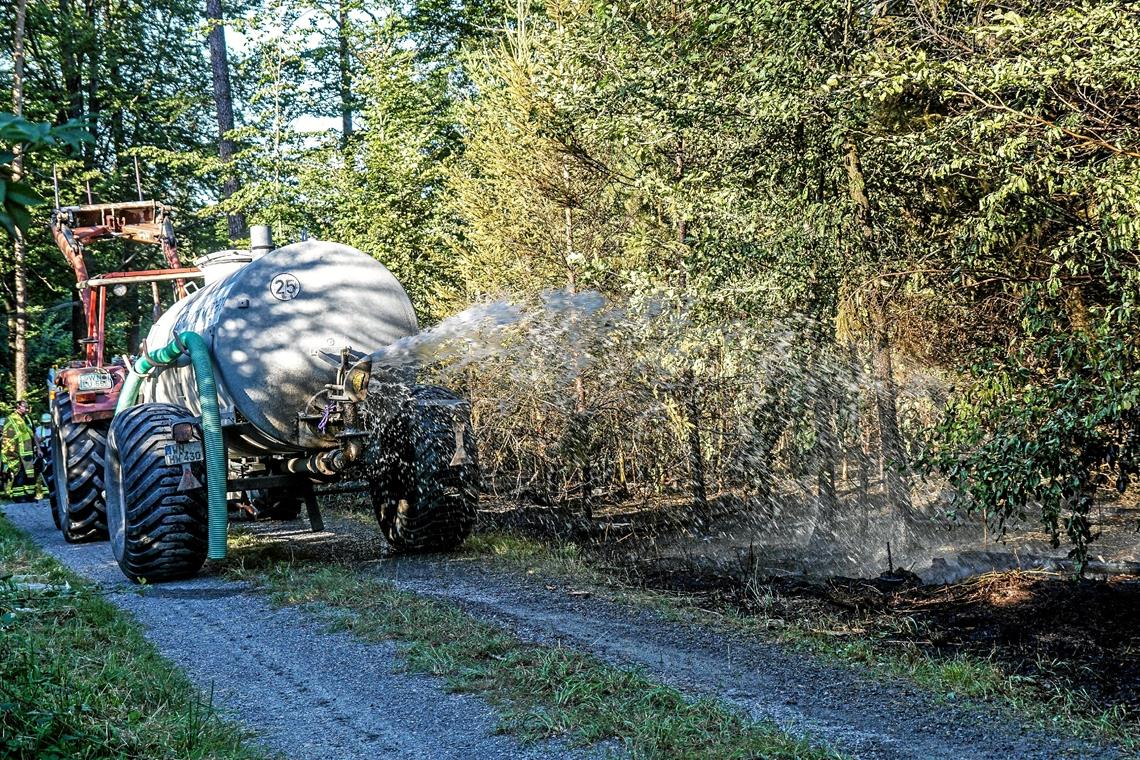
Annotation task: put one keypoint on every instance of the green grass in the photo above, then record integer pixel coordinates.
(541, 692)
(885, 650)
(563, 558)
(79, 680)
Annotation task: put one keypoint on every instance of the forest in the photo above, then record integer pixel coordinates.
(851, 252)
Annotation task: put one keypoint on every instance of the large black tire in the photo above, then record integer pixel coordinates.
(158, 533)
(422, 501)
(77, 453)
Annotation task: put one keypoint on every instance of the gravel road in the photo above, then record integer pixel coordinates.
(853, 711)
(304, 692)
(310, 693)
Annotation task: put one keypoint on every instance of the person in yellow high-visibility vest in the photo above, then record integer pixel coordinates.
(19, 454)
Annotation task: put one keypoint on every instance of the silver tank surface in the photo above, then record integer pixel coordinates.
(275, 327)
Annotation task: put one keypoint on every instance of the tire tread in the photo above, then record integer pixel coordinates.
(165, 530)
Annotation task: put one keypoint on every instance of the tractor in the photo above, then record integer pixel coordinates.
(87, 390)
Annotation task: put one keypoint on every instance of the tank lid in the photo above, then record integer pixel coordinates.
(228, 256)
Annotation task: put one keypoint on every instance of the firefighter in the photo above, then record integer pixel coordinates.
(19, 454)
(42, 436)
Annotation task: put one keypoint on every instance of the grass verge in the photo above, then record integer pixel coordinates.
(887, 648)
(79, 680)
(541, 692)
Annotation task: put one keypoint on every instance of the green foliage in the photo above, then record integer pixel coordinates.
(883, 180)
(1047, 423)
(17, 136)
(1026, 186)
(122, 85)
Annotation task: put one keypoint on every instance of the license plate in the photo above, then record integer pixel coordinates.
(95, 382)
(181, 453)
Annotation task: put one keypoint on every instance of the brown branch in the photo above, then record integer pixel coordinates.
(1086, 139)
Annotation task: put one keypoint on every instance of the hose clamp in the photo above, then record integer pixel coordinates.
(181, 350)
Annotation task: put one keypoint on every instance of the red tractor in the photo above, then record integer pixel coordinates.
(87, 390)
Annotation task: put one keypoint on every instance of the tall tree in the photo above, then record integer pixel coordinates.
(20, 370)
(224, 105)
(344, 70)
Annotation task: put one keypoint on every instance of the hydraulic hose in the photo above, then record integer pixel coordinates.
(192, 343)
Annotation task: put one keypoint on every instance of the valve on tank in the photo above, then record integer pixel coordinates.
(336, 413)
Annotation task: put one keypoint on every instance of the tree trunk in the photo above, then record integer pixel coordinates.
(344, 61)
(94, 108)
(117, 116)
(768, 423)
(223, 102)
(862, 446)
(580, 422)
(893, 456)
(696, 456)
(72, 85)
(688, 383)
(69, 66)
(857, 188)
(826, 451)
(18, 267)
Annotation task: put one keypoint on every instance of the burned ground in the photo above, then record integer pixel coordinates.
(1082, 635)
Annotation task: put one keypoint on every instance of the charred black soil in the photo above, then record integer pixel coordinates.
(1082, 635)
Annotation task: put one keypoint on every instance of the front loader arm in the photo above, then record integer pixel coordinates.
(73, 227)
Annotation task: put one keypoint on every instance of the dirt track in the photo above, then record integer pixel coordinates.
(315, 694)
(305, 692)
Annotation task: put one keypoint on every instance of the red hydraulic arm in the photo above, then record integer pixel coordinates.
(73, 227)
(94, 383)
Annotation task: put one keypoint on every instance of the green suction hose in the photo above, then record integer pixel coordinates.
(193, 344)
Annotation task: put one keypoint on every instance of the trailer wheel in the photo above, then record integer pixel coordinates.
(424, 499)
(158, 533)
(77, 453)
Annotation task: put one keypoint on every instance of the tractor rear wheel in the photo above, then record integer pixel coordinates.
(158, 532)
(77, 452)
(426, 495)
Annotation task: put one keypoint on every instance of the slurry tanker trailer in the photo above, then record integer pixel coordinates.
(268, 380)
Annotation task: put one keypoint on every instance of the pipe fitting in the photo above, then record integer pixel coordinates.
(324, 464)
(260, 241)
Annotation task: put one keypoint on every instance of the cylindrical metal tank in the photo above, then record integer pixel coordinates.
(276, 326)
